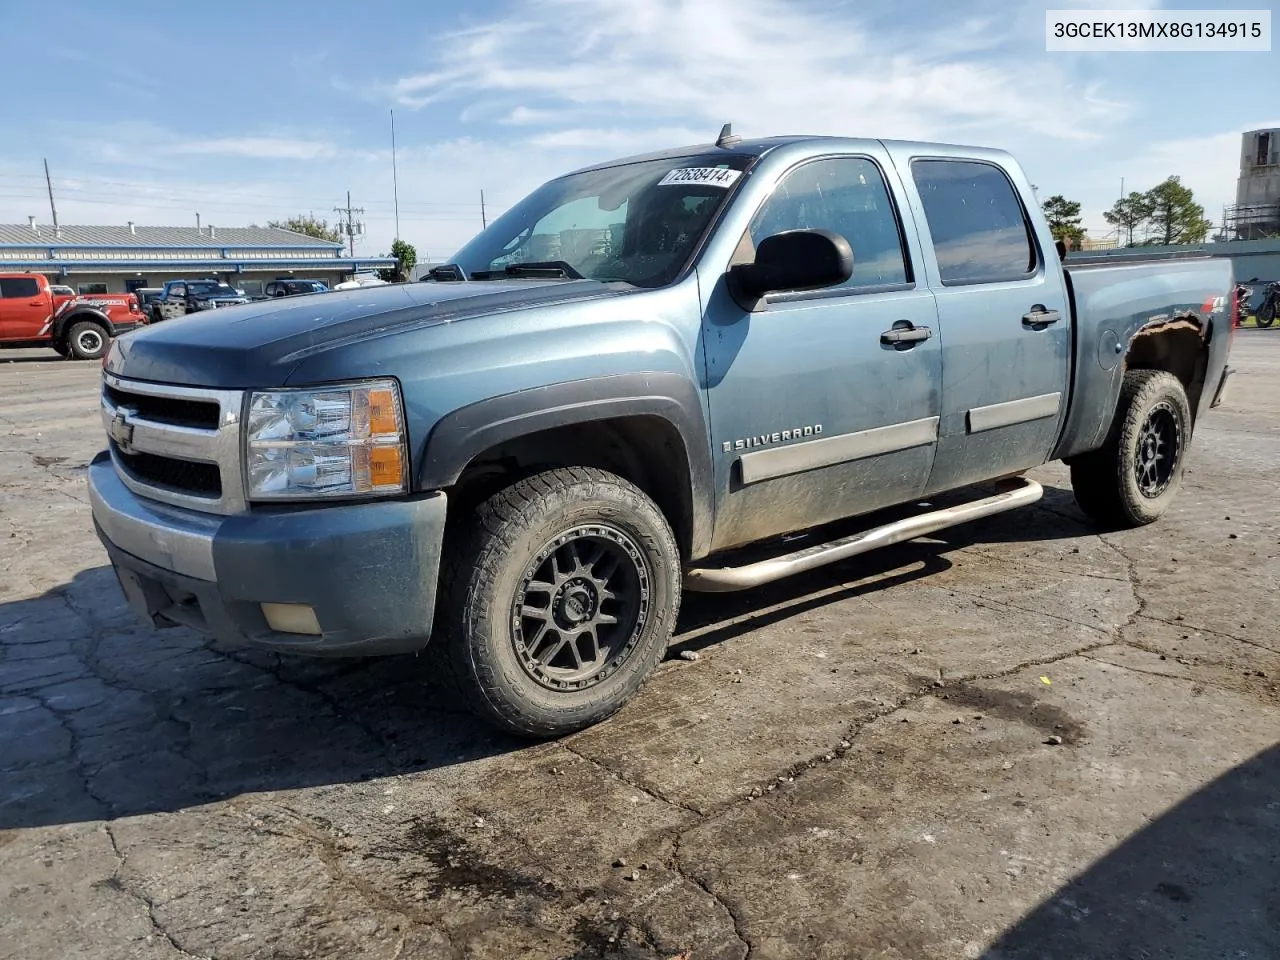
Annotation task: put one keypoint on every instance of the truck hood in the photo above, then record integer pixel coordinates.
(258, 344)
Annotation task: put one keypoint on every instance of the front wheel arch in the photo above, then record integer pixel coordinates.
(675, 458)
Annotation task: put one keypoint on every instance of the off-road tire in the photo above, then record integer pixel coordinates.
(1106, 481)
(491, 556)
(87, 341)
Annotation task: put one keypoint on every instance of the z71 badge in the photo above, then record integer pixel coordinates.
(795, 433)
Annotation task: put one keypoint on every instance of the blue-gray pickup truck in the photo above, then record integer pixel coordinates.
(671, 372)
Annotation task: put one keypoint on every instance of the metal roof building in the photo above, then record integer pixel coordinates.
(119, 259)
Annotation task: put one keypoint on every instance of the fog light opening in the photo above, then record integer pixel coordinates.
(291, 618)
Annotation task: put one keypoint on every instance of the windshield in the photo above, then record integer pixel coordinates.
(638, 223)
(209, 289)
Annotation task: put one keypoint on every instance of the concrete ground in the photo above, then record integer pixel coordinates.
(1017, 740)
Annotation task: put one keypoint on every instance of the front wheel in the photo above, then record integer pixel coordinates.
(1266, 313)
(1136, 474)
(560, 599)
(87, 341)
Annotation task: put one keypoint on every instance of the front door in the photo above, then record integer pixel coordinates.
(24, 309)
(1007, 350)
(824, 404)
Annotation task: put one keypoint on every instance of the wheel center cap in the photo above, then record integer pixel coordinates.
(576, 602)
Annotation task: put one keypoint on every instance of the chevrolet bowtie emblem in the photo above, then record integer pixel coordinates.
(120, 430)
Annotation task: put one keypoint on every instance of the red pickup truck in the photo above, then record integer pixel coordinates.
(76, 325)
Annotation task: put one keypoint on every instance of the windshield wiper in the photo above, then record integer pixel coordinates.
(547, 269)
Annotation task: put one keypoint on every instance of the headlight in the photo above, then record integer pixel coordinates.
(337, 441)
(205, 304)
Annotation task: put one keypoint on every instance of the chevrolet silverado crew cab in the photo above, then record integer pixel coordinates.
(659, 374)
(35, 314)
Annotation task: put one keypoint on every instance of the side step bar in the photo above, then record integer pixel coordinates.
(1020, 493)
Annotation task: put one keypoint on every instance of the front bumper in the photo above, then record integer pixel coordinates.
(367, 570)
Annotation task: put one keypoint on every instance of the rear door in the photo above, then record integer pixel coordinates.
(1002, 307)
(25, 309)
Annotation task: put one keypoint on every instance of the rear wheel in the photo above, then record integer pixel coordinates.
(560, 599)
(87, 341)
(1134, 477)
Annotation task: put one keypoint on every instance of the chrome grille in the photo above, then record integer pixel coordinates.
(177, 445)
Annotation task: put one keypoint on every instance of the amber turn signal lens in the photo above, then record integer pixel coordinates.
(382, 413)
(386, 468)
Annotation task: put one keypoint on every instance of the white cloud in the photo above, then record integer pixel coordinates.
(768, 65)
(255, 148)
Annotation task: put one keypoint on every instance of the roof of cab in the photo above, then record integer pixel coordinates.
(760, 146)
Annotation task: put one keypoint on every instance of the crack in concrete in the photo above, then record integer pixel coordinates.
(116, 883)
(648, 790)
(1186, 625)
(1197, 681)
(1039, 613)
(1024, 564)
(1135, 583)
(734, 914)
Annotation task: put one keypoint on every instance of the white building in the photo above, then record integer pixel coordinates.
(1256, 213)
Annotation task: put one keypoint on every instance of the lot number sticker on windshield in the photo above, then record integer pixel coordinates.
(708, 176)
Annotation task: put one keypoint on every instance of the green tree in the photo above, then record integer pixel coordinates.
(407, 256)
(310, 226)
(1175, 215)
(1128, 214)
(1064, 219)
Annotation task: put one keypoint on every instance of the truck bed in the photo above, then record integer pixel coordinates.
(1116, 299)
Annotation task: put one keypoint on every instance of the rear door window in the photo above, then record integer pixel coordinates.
(980, 232)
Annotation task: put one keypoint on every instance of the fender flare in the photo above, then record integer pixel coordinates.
(461, 435)
(63, 323)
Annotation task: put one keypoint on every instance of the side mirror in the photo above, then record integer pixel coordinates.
(793, 260)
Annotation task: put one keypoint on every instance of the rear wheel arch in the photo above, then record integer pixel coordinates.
(647, 428)
(1179, 346)
(64, 323)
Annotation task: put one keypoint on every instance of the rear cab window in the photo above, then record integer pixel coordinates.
(979, 228)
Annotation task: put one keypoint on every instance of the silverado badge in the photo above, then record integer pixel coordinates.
(778, 436)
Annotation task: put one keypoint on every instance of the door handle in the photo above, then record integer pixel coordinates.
(905, 335)
(1040, 317)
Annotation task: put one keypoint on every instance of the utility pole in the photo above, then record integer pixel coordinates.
(352, 226)
(395, 189)
(52, 209)
(483, 222)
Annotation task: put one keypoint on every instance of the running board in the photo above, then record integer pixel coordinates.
(1020, 493)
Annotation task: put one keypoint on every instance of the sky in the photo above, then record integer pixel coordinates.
(248, 112)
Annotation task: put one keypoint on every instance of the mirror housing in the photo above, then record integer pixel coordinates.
(792, 260)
